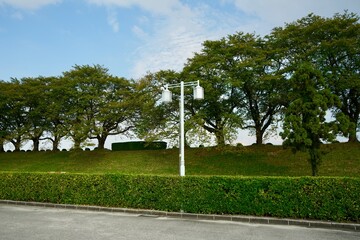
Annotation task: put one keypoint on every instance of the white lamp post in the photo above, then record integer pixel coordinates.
(167, 98)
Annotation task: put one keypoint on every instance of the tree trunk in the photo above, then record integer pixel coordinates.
(77, 144)
(36, 144)
(354, 119)
(55, 143)
(220, 138)
(101, 142)
(259, 136)
(352, 136)
(2, 146)
(16, 144)
(314, 160)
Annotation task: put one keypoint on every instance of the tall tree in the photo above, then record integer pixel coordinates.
(305, 126)
(156, 120)
(36, 105)
(333, 46)
(339, 60)
(4, 109)
(102, 105)
(14, 117)
(256, 75)
(58, 106)
(218, 112)
(116, 110)
(79, 102)
(241, 82)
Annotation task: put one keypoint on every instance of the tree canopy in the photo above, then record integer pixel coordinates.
(305, 126)
(294, 76)
(85, 103)
(332, 45)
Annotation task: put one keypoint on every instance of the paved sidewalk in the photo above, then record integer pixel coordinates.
(231, 218)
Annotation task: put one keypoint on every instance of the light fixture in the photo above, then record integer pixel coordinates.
(198, 92)
(166, 96)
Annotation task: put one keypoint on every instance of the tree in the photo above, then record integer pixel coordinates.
(101, 105)
(116, 110)
(256, 75)
(36, 107)
(14, 113)
(58, 106)
(156, 120)
(305, 126)
(4, 127)
(332, 45)
(218, 112)
(340, 64)
(241, 82)
(76, 107)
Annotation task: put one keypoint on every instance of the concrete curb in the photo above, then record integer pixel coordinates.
(214, 217)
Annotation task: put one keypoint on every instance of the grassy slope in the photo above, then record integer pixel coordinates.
(340, 160)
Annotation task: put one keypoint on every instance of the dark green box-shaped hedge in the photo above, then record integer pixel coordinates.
(336, 199)
(138, 145)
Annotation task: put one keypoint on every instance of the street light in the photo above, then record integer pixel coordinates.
(166, 96)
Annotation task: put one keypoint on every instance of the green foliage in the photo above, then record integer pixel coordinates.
(248, 82)
(13, 113)
(101, 105)
(335, 199)
(214, 66)
(256, 75)
(156, 120)
(138, 145)
(332, 46)
(85, 103)
(305, 126)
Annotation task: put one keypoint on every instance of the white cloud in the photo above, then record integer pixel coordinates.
(178, 36)
(171, 31)
(139, 32)
(275, 13)
(143, 19)
(153, 6)
(112, 20)
(28, 4)
(174, 40)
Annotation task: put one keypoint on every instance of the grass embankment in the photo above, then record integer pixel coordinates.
(341, 159)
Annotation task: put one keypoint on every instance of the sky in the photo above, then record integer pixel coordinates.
(133, 37)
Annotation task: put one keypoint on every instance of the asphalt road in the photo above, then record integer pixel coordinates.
(30, 223)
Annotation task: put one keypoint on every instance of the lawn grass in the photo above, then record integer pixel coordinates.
(342, 159)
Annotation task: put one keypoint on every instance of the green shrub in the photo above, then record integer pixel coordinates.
(138, 145)
(336, 199)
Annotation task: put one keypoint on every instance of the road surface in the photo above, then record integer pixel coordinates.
(37, 223)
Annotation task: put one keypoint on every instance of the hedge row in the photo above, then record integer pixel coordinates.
(138, 145)
(336, 199)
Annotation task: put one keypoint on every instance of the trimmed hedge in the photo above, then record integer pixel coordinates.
(336, 199)
(138, 145)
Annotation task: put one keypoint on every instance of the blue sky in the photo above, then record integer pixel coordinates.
(132, 37)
